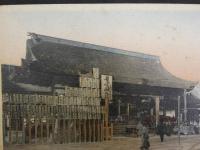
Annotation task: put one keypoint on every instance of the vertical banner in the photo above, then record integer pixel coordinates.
(106, 86)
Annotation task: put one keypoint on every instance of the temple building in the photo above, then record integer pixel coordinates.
(141, 87)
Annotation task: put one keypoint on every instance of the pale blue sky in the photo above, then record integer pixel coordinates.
(169, 31)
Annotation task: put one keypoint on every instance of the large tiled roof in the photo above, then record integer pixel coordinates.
(60, 56)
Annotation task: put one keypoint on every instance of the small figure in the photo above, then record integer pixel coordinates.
(139, 129)
(145, 139)
(161, 130)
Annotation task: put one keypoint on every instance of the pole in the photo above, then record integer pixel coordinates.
(119, 107)
(157, 109)
(1, 112)
(179, 120)
(128, 110)
(185, 106)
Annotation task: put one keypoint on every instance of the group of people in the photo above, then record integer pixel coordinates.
(143, 133)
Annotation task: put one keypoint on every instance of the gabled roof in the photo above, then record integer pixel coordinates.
(55, 55)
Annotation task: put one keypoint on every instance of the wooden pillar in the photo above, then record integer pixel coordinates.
(106, 112)
(98, 130)
(64, 130)
(4, 127)
(36, 127)
(54, 130)
(68, 131)
(157, 108)
(10, 133)
(1, 111)
(41, 131)
(179, 119)
(79, 128)
(185, 106)
(102, 130)
(23, 131)
(84, 130)
(29, 130)
(93, 126)
(75, 132)
(17, 126)
(89, 130)
(127, 110)
(47, 130)
(119, 107)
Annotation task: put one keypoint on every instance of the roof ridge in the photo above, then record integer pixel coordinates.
(92, 46)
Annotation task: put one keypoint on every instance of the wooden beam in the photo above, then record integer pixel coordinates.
(84, 130)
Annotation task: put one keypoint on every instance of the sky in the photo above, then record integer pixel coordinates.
(169, 31)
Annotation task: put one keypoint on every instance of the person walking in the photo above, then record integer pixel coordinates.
(145, 139)
(139, 129)
(161, 130)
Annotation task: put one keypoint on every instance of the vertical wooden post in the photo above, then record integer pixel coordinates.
(98, 130)
(4, 127)
(106, 116)
(29, 130)
(23, 131)
(41, 131)
(75, 132)
(47, 129)
(157, 108)
(102, 130)
(128, 110)
(1, 111)
(119, 107)
(185, 105)
(89, 129)
(79, 128)
(58, 131)
(36, 126)
(10, 132)
(17, 126)
(64, 130)
(68, 131)
(179, 120)
(84, 130)
(53, 129)
(94, 139)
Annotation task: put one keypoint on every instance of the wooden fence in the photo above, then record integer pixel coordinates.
(51, 119)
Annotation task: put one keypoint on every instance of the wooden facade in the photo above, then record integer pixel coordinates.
(73, 116)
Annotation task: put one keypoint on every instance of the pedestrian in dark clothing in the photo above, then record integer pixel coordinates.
(145, 139)
(161, 130)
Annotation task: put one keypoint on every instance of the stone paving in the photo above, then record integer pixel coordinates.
(191, 142)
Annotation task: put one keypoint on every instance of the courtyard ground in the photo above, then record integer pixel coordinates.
(191, 142)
